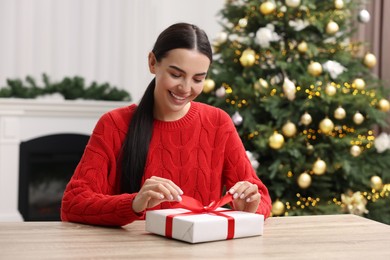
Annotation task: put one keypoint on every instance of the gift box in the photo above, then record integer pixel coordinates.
(203, 224)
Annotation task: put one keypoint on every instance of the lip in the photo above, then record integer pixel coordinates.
(177, 99)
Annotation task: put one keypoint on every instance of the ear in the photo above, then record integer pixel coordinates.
(152, 62)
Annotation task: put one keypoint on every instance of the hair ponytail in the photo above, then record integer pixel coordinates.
(136, 146)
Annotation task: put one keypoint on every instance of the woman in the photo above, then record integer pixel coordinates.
(145, 157)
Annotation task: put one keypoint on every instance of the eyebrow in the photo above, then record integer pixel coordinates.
(179, 69)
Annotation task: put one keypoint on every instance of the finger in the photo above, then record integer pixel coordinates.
(169, 192)
(235, 187)
(255, 197)
(248, 191)
(169, 182)
(240, 188)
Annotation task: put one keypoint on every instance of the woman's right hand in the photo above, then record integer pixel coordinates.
(154, 191)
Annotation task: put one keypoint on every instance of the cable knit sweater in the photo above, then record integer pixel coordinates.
(200, 152)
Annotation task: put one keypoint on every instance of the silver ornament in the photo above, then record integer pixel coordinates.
(237, 118)
(364, 16)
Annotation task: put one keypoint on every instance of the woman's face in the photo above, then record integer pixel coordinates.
(179, 80)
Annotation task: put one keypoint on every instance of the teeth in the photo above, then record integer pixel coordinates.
(177, 97)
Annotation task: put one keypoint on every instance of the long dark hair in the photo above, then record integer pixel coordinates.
(136, 145)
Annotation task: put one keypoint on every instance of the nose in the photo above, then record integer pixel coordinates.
(185, 85)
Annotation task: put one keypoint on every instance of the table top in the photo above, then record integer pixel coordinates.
(303, 237)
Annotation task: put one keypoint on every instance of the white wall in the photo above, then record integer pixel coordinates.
(100, 40)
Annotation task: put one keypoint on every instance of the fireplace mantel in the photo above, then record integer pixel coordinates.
(25, 119)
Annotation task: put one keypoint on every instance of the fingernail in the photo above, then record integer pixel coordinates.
(231, 191)
(170, 197)
(235, 196)
(248, 199)
(242, 196)
(161, 196)
(181, 192)
(179, 198)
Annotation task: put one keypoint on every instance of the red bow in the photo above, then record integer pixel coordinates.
(196, 207)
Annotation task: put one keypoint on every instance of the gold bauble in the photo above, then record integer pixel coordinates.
(376, 182)
(384, 105)
(277, 208)
(276, 141)
(289, 129)
(339, 113)
(314, 68)
(304, 180)
(247, 58)
(267, 7)
(326, 125)
(306, 119)
(330, 90)
(359, 84)
(338, 4)
(319, 167)
(369, 60)
(208, 85)
(332, 27)
(302, 47)
(358, 118)
(355, 150)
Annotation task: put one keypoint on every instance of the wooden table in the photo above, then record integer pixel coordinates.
(308, 237)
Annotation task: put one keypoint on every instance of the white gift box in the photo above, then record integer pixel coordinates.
(204, 227)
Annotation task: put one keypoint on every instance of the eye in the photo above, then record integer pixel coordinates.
(198, 80)
(173, 75)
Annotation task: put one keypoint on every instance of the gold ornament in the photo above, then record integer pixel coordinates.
(293, 3)
(338, 4)
(359, 84)
(208, 85)
(332, 27)
(355, 151)
(306, 119)
(314, 68)
(358, 118)
(354, 203)
(330, 90)
(384, 105)
(277, 208)
(369, 60)
(243, 22)
(289, 129)
(302, 47)
(319, 167)
(340, 113)
(376, 182)
(247, 58)
(276, 141)
(304, 180)
(326, 125)
(267, 8)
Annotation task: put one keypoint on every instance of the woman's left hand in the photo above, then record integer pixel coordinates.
(246, 196)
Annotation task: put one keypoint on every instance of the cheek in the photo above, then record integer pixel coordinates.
(198, 88)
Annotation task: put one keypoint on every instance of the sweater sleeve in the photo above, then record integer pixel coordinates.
(91, 196)
(237, 167)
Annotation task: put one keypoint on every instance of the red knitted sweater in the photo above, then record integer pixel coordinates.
(200, 152)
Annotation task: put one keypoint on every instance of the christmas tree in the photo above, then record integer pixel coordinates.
(306, 104)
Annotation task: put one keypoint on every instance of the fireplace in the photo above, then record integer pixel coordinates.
(45, 167)
(41, 142)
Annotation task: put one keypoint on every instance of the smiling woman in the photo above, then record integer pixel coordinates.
(146, 156)
(179, 80)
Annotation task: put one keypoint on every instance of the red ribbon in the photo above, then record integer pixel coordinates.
(196, 207)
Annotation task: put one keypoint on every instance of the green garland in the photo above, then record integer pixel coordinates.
(69, 88)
